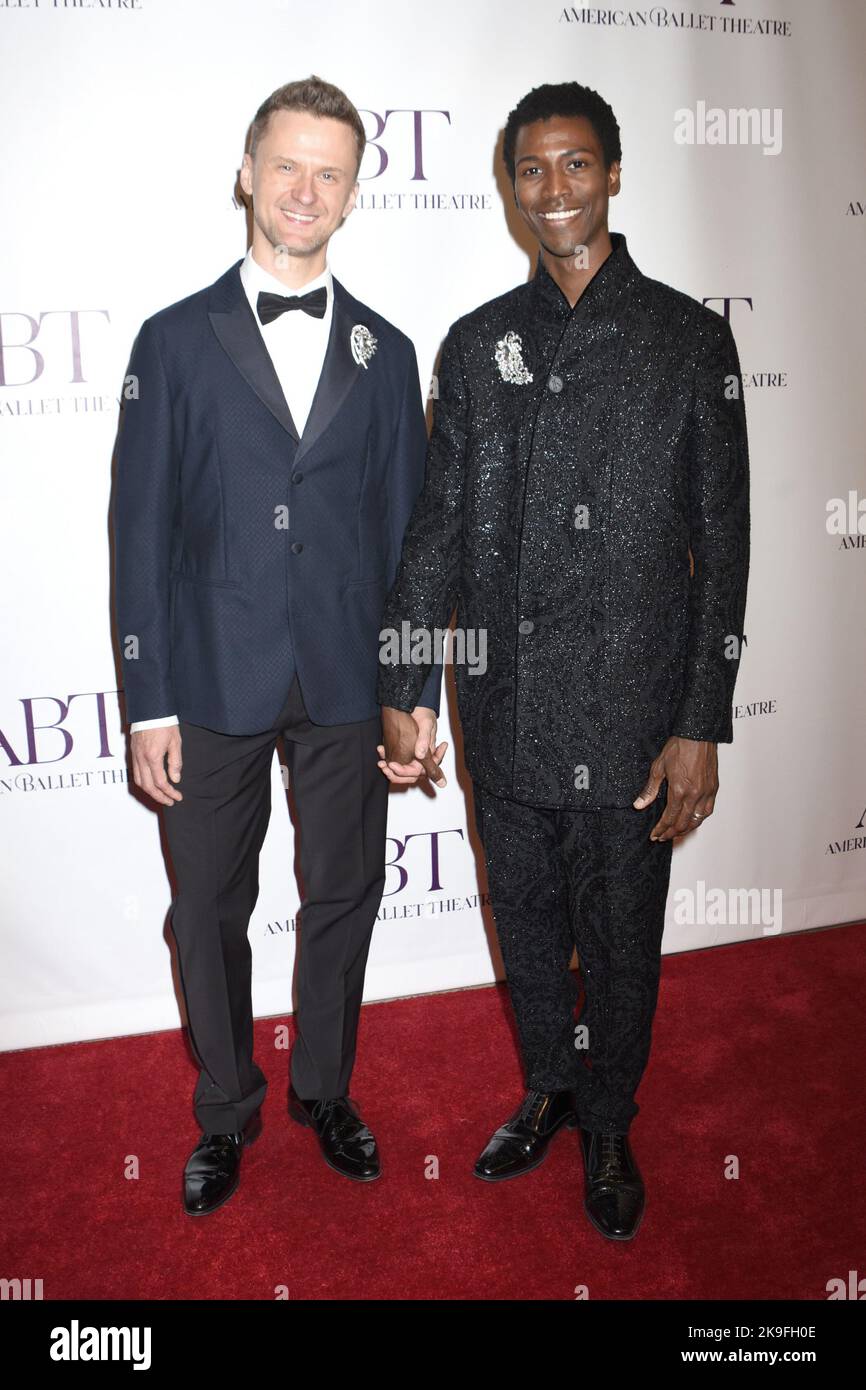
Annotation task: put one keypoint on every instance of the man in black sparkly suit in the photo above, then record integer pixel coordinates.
(587, 506)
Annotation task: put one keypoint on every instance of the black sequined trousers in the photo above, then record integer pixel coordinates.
(592, 880)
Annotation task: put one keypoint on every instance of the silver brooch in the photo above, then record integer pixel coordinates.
(509, 360)
(363, 344)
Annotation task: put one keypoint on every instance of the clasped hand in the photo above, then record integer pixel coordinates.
(408, 749)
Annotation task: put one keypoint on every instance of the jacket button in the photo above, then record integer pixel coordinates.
(554, 383)
(297, 477)
(526, 626)
(297, 547)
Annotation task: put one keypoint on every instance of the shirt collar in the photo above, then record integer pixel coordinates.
(255, 278)
(600, 293)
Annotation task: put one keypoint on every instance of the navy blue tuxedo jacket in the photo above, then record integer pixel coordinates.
(243, 553)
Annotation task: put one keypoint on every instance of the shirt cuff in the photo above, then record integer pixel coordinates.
(162, 723)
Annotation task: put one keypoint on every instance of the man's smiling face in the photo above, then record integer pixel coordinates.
(561, 184)
(302, 181)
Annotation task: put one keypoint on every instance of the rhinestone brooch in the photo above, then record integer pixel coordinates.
(363, 344)
(509, 360)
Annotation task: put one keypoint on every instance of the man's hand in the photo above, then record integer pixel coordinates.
(151, 749)
(691, 767)
(408, 750)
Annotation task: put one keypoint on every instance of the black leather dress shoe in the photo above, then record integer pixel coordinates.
(213, 1169)
(615, 1196)
(347, 1144)
(521, 1143)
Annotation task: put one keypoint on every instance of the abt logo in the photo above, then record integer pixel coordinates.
(423, 858)
(726, 300)
(59, 333)
(49, 741)
(405, 126)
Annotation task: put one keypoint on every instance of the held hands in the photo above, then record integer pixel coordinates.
(408, 750)
(150, 750)
(691, 767)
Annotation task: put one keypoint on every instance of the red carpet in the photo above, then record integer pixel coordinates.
(758, 1052)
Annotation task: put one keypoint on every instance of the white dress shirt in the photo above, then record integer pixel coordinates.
(297, 343)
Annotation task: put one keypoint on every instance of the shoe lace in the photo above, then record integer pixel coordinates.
(533, 1104)
(613, 1156)
(323, 1107)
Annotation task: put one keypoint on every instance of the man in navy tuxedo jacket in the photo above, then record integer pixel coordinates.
(270, 453)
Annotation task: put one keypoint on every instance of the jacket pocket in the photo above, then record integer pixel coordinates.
(379, 579)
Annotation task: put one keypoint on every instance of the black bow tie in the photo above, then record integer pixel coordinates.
(270, 306)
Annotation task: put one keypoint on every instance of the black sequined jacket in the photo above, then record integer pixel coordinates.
(571, 470)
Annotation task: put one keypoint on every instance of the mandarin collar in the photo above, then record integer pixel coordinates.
(614, 273)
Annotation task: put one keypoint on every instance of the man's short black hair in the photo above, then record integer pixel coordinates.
(563, 99)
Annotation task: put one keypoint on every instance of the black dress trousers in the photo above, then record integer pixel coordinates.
(215, 836)
(593, 880)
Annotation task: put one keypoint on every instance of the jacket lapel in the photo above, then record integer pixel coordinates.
(232, 320)
(338, 376)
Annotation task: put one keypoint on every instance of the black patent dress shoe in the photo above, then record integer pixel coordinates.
(346, 1143)
(521, 1143)
(615, 1196)
(213, 1169)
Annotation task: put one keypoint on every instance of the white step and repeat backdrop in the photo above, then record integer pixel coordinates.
(123, 131)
